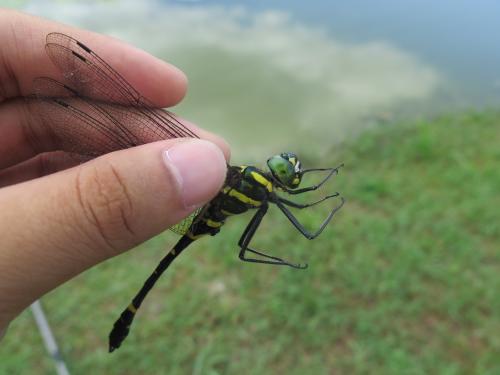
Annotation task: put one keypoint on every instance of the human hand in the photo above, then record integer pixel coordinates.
(58, 218)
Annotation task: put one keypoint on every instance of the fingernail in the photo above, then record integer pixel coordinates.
(199, 169)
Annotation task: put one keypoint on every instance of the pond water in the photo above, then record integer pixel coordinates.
(304, 75)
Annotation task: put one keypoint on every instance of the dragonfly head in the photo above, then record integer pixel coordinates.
(286, 169)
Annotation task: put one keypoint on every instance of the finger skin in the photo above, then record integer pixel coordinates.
(39, 166)
(57, 226)
(23, 58)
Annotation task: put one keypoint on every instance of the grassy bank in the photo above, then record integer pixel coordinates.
(405, 281)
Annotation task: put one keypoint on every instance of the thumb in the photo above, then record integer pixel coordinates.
(55, 227)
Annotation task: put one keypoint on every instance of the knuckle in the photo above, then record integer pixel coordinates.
(106, 204)
(42, 165)
(45, 164)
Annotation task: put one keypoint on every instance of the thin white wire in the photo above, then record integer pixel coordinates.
(48, 338)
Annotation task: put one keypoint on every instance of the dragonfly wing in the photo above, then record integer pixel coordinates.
(88, 73)
(92, 77)
(182, 227)
(87, 127)
(95, 110)
(73, 125)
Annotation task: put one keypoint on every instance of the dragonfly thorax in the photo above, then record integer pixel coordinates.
(286, 169)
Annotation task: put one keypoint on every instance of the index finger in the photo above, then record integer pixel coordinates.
(23, 58)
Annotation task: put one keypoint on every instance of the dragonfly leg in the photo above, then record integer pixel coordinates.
(300, 227)
(300, 206)
(248, 235)
(333, 171)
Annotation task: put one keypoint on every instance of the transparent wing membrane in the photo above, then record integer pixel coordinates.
(182, 227)
(94, 110)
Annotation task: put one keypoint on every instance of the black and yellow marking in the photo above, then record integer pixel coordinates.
(242, 197)
(264, 181)
(132, 308)
(213, 223)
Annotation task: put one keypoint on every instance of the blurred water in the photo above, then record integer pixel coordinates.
(290, 75)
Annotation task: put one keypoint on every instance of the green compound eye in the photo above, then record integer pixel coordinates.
(283, 169)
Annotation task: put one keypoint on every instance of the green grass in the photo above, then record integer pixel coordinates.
(405, 281)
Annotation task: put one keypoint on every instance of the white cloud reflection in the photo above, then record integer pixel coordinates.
(263, 80)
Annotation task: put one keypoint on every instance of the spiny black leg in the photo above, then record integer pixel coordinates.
(321, 169)
(278, 261)
(317, 186)
(301, 228)
(300, 206)
(248, 235)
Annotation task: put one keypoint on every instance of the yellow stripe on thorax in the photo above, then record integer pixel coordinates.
(262, 180)
(240, 196)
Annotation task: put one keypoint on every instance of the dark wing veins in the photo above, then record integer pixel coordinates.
(95, 110)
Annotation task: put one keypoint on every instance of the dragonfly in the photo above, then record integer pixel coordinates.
(95, 110)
